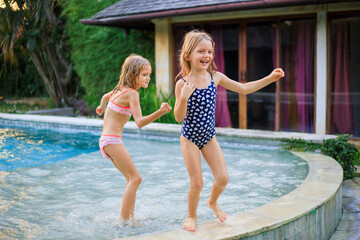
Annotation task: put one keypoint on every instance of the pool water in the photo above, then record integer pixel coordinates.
(31, 147)
(74, 193)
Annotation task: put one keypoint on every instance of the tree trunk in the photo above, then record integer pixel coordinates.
(57, 79)
(49, 88)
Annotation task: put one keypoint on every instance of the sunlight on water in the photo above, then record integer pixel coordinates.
(26, 147)
(80, 197)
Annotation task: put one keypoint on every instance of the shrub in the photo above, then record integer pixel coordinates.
(343, 151)
(150, 103)
(298, 145)
(98, 52)
(338, 148)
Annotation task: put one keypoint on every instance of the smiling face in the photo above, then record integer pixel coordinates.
(202, 55)
(143, 78)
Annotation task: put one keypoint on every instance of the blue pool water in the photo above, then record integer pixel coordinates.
(31, 147)
(54, 184)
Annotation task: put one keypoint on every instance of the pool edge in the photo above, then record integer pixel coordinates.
(130, 126)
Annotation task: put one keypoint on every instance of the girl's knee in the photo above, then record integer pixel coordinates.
(222, 181)
(136, 179)
(196, 186)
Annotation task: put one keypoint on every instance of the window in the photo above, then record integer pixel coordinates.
(248, 51)
(297, 41)
(344, 76)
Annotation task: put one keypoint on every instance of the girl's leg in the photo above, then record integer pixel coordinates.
(191, 155)
(123, 161)
(215, 158)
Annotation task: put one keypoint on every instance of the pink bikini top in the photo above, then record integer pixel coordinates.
(120, 109)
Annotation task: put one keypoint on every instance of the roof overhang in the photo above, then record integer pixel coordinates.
(143, 20)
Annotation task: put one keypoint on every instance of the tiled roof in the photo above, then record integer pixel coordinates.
(132, 7)
(138, 13)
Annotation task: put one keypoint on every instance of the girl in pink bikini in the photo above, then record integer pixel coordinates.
(123, 101)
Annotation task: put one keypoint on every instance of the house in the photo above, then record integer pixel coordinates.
(316, 42)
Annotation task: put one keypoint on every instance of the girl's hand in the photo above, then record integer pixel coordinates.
(165, 108)
(100, 110)
(187, 90)
(277, 74)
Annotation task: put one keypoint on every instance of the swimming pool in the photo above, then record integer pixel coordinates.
(78, 196)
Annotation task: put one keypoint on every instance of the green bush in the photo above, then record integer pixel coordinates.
(150, 103)
(338, 148)
(98, 52)
(343, 151)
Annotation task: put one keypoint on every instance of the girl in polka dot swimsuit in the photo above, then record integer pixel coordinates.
(198, 125)
(195, 107)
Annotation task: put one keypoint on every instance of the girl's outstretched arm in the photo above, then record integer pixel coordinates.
(183, 91)
(139, 119)
(249, 87)
(105, 98)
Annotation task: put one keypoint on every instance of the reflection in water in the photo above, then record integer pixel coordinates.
(27, 147)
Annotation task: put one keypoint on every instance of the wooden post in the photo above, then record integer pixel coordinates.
(242, 76)
(278, 86)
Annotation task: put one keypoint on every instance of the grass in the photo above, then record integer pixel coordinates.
(21, 108)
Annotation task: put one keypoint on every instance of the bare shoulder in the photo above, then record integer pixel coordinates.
(133, 98)
(109, 93)
(179, 83)
(217, 77)
(132, 93)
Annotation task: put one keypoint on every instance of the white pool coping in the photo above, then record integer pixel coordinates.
(170, 128)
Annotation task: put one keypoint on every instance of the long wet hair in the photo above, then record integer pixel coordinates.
(130, 70)
(191, 40)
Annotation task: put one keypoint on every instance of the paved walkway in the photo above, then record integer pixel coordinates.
(349, 226)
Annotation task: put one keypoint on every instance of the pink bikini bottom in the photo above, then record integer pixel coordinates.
(106, 140)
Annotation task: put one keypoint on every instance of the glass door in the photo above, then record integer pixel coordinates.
(260, 61)
(248, 51)
(344, 91)
(297, 57)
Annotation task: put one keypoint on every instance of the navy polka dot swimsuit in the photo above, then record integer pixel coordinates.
(199, 123)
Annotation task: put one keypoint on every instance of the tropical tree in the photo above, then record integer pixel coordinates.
(36, 27)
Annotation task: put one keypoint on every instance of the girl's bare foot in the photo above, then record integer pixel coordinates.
(217, 210)
(132, 222)
(190, 223)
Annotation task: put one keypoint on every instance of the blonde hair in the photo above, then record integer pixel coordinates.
(130, 70)
(191, 40)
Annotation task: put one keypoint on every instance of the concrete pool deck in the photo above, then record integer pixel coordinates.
(349, 226)
(311, 211)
